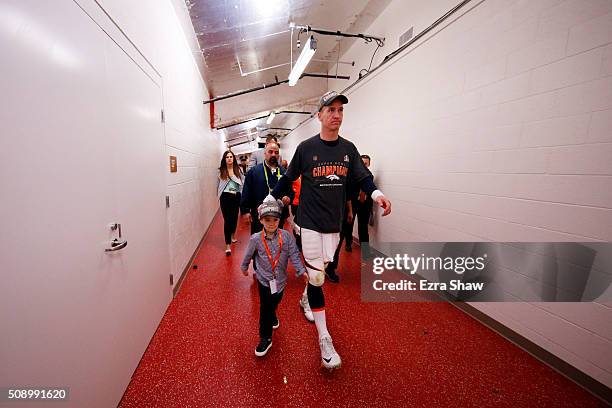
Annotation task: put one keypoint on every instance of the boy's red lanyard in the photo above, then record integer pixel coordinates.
(280, 248)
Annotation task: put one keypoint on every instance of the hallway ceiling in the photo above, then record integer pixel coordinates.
(238, 37)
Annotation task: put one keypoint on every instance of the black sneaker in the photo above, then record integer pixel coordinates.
(263, 347)
(348, 248)
(275, 324)
(332, 275)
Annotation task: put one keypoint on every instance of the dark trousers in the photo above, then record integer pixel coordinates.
(363, 218)
(229, 208)
(362, 212)
(345, 233)
(268, 303)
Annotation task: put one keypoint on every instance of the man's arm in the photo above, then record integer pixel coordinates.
(248, 255)
(289, 192)
(349, 212)
(283, 187)
(368, 187)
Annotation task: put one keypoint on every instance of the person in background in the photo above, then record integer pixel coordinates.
(259, 181)
(362, 208)
(229, 187)
(284, 164)
(297, 184)
(258, 156)
(243, 164)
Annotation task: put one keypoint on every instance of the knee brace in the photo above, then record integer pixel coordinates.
(315, 297)
(316, 271)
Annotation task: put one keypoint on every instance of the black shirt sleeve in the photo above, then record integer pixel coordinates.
(368, 186)
(283, 187)
(295, 166)
(359, 173)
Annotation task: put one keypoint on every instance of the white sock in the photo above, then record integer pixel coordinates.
(321, 323)
(305, 294)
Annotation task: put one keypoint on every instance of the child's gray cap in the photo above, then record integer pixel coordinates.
(272, 208)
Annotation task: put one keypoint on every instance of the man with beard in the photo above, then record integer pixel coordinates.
(259, 182)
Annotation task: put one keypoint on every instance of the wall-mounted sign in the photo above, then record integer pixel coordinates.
(172, 164)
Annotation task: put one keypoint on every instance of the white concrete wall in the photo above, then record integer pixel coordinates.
(83, 86)
(158, 31)
(496, 128)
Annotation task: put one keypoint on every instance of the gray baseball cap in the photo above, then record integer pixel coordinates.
(329, 97)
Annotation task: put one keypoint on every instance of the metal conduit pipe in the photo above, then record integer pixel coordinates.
(400, 49)
(264, 86)
(241, 122)
(409, 43)
(340, 33)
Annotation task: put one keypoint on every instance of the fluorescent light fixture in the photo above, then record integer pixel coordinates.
(270, 8)
(270, 118)
(303, 60)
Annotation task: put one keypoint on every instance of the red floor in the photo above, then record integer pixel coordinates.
(393, 354)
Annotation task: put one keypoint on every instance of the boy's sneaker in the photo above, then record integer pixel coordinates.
(329, 357)
(276, 324)
(263, 347)
(307, 311)
(332, 275)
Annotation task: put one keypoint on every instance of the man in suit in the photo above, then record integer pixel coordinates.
(259, 181)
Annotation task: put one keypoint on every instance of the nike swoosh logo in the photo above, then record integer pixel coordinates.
(327, 360)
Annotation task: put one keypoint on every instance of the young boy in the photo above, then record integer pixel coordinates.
(272, 248)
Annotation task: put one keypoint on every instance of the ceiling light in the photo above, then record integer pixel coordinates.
(270, 8)
(303, 60)
(270, 118)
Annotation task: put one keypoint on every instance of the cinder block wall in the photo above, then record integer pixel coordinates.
(498, 127)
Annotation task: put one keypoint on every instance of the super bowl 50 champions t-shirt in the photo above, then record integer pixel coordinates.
(326, 169)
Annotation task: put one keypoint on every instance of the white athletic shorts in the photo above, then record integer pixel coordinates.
(318, 249)
(318, 245)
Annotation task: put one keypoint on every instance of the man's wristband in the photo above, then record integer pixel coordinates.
(376, 194)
